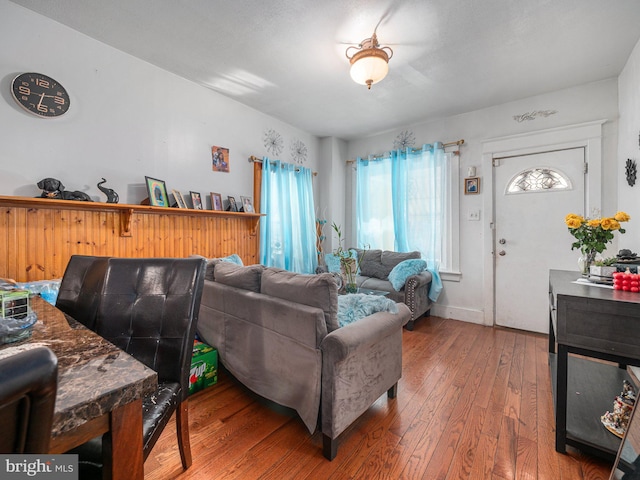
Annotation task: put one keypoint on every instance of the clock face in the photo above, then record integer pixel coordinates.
(40, 95)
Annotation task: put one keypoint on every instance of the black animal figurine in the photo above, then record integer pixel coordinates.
(112, 196)
(53, 188)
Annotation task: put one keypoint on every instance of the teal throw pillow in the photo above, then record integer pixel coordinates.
(233, 258)
(355, 306)
(333, 261)
(398, 276)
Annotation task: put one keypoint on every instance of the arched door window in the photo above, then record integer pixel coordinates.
(537, 180)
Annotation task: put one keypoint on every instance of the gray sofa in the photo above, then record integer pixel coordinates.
(374, 272)
(277, 332)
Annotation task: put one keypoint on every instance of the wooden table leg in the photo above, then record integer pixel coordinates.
(561, 398)
(123, 456)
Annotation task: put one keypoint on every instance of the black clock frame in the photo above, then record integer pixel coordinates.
(40, 95)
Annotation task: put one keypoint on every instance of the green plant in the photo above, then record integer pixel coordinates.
(592, 235)
(349, 265)
(605, 262)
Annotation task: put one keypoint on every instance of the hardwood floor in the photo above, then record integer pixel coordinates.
(474, 403)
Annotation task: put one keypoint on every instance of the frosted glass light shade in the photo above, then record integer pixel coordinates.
(368, 70)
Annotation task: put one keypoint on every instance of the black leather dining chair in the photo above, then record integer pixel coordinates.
(28, 384)
(149, 308)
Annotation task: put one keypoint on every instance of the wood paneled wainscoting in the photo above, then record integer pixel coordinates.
(38, 236)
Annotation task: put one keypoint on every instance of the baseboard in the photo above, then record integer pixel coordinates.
(457, 313)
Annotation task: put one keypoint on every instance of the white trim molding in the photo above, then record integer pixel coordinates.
(587, 135)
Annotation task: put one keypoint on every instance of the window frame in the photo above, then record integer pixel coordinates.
(452, 273)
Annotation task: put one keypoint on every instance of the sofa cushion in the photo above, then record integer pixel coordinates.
(247, 278)
(391, 259)
(353, 307)
(212, 262)
(403, 270)
(371, 264)
(378, 263)
(314, 290)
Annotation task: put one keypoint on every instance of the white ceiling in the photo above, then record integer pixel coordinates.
(286, 57)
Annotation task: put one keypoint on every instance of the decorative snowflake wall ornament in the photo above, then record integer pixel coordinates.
(273, 142)
(298, 151)
(404, 139)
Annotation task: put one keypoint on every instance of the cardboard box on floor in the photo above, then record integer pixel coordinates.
(204, 367)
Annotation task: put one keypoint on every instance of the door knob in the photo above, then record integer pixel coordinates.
(502, 241)
(502, 253)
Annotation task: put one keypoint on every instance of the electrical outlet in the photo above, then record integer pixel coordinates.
(473, 215)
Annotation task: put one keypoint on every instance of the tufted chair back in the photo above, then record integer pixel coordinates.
(149, 308)
(28, 384)
(81, 288)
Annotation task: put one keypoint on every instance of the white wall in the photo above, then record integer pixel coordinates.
(629, 147)
(463, 300)
(127, 119)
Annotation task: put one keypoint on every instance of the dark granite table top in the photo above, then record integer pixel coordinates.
(94, 376)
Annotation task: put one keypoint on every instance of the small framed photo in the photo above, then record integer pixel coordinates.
(232, 204)
(157, 191)
(216, 201)
(246, 204)
(471, 185)
(219, 159)
(196, 201)
(179, 199)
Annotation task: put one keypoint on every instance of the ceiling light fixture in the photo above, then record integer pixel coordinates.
(369, 63)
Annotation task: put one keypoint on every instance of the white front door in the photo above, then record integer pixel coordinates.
(530, 234)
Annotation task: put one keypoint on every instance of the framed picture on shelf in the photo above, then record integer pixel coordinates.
(196, 200)
(246, 204)
(471, 185)
(216, 201)
(232, 204)
(157, 191)
(179, 199)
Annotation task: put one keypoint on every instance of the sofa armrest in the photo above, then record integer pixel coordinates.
(360, 362)
(416, 281)
(342, 343)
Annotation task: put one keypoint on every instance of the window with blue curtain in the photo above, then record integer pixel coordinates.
(288, 231)
(403, 203)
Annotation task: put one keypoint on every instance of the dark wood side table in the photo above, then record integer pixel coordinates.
(595, 323)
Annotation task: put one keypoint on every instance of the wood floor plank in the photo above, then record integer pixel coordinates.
(474, 403)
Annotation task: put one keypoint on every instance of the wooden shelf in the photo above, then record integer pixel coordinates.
(39, 202)
(42, 234)
(591, 388)
(126, 210)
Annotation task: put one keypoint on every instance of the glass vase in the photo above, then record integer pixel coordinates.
(585, 261)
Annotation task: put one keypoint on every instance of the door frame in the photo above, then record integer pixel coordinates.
(587, 135)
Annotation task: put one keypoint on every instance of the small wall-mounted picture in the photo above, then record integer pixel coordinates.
(471, 185)
(196, 201)
(220, 159)
(179, 199)
(216, 201)
(232, 204)
(157, 191)
(247, 206)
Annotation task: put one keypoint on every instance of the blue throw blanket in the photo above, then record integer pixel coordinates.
(355, 306)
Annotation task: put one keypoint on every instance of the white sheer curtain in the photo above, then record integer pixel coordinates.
(403, 203)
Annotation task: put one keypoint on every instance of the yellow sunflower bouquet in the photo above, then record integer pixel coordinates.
(593, 235)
